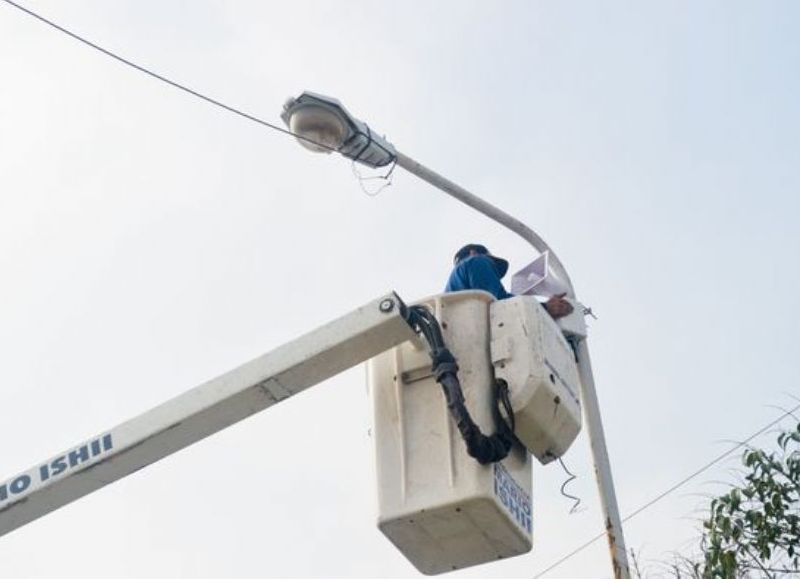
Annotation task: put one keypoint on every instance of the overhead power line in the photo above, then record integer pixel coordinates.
(162, 78)
(670, 490)
(274, 127)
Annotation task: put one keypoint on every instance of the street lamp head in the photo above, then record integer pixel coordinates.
(322, 124)
(319, 128)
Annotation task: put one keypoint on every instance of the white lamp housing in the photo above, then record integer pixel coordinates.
(322, 124)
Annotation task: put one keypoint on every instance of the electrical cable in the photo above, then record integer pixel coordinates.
(670, 490)
(164, 79)
(572, 477)
(272, 126)
(386, 178)
(504, 397)
(484, 449)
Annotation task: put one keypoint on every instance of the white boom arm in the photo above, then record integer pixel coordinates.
(204, 410)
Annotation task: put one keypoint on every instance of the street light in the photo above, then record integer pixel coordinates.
(322, 124)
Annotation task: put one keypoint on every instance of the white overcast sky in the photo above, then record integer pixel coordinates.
(149, 242)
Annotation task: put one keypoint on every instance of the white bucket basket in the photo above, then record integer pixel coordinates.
(437, 504)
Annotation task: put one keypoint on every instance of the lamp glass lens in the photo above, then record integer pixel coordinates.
(320, 126)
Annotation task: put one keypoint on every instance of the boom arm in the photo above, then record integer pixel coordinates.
(204, 410)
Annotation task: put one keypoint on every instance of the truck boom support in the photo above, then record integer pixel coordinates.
(204, 410)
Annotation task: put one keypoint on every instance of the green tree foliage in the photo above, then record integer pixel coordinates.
(754, 529)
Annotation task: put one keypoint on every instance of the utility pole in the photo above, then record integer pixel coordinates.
(316, 118)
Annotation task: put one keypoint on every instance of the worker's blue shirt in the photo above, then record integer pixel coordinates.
(477, 273)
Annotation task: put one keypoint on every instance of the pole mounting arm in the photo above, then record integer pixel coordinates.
(487, 209)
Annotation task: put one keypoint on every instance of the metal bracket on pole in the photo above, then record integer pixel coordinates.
(204, 410)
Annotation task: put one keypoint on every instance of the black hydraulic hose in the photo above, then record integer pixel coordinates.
(484, 449)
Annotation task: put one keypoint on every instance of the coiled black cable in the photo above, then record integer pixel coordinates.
(484, 449)
(576, 500)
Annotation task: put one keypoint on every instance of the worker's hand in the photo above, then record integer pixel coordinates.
(558, 307)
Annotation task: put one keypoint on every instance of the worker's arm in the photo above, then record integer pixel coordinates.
(557, 306)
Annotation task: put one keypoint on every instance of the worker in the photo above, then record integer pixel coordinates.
(474, 268)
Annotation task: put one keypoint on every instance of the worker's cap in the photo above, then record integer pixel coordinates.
(500, 264)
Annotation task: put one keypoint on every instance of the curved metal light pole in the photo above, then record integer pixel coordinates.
(324, 125)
